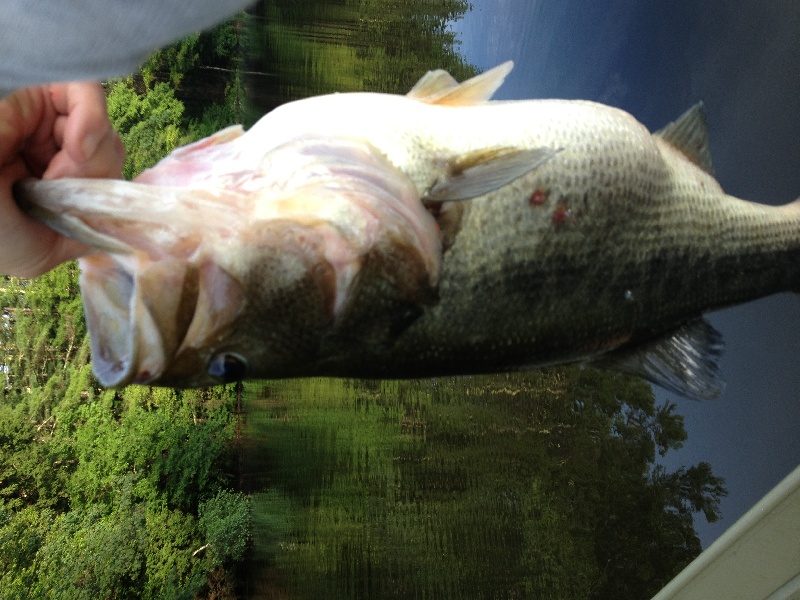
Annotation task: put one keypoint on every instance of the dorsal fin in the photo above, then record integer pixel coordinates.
(432, 85)
(439, 87)
(689, 134)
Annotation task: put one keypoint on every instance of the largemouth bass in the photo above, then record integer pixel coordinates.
(437, 233)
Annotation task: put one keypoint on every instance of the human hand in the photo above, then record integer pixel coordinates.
(52, 131)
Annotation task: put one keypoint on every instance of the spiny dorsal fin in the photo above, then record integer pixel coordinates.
(439, 87)
(432, 85)
(689, 134)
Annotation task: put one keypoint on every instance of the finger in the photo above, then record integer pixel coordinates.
(84, 105)
(29, 247)
(90, 146)
(107, 161)
(29, 126)
(59, 125)
(22, 115)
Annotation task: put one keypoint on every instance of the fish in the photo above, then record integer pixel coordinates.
(430, 234)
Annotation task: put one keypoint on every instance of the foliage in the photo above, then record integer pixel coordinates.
(172, 63)
(106, 502)
(225, 523)
(150, 124)
(42, 326)
(523, 485)
(101, 490)
(173, 100)
(305, 48)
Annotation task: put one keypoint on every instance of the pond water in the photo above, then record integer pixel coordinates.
(543, 484)
(477, 487)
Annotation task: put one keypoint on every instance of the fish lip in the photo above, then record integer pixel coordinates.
(110, 303)
(106, 313)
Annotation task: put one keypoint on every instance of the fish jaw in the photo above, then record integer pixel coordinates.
(133, 327)
(146, 317)
(151, 281)
(182, 275)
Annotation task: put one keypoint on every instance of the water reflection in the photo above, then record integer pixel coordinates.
(528, 485)
(306, 48)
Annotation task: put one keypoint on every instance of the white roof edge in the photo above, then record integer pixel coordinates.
(757, 558)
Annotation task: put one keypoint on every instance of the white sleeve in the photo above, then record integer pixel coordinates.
(68, 40)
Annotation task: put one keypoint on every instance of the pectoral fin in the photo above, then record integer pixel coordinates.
(684, 361)
(482, 171)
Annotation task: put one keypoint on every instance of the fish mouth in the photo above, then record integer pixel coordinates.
(150, 321)
(131, 336)
(125, 339)
(149, 288)
(172, 270)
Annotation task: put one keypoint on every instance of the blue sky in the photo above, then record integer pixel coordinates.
(655, 59)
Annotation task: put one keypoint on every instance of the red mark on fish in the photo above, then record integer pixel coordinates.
(537, 198)
(562, 215)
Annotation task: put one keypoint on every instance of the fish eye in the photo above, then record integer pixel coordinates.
(228, 367)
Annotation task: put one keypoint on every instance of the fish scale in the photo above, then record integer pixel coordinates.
(456, 234)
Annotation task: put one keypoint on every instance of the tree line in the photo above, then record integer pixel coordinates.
(119, 493)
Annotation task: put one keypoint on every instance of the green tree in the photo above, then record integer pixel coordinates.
(172, 63)
(100, 489)
(407, 41)
(150, 124)
(183, 92)
(92, 554)
(305, 48)
(225, 522)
